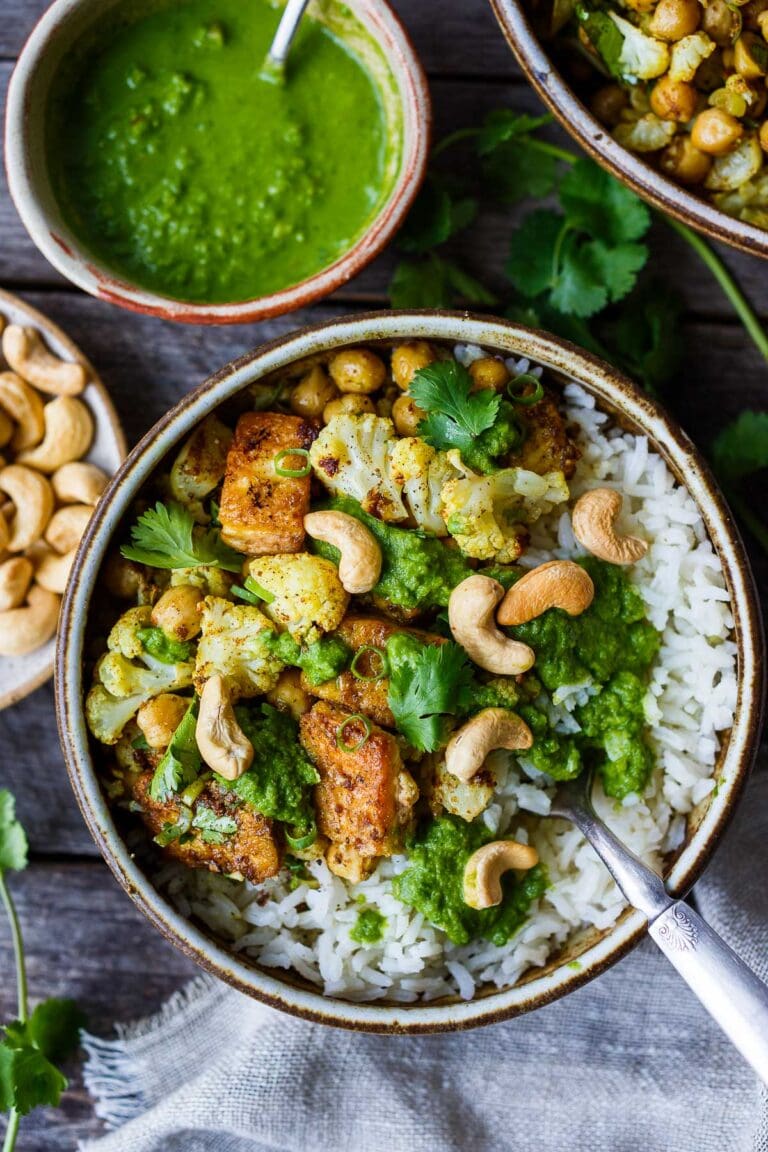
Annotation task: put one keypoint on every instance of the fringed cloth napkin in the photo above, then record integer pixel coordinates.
(630, 1063)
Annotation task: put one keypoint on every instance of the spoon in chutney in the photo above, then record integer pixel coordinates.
(273, 68)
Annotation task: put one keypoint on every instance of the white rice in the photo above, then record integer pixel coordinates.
(691, 698)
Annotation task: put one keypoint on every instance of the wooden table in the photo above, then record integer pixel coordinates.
(84, 937)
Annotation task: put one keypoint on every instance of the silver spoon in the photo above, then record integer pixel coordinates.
(274, 65)
(728, 989)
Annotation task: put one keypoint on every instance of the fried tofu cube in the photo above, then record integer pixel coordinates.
(262, 512)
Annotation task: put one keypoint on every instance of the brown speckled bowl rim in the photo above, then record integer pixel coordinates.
(612, 391)
(24, 172)
(627, 166)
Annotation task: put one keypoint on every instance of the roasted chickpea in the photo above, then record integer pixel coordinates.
(762, 23)
(122, 577)
(685, 163)
(408, 358)
(763, 136)
(716, 132)
(406, 415)
(176, 612)
(159, 718)
(312, 393)
(288, 694)
(674, 100)
(357, 370)
(608, 103)
(489, 372)
(721, 22)
(674, 19)
(350, 405)
(750, 56)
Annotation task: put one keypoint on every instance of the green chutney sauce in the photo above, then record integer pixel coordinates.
(188, 173)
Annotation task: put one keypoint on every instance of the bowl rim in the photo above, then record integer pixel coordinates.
(612, 390)
(71, 258)
(671, 198)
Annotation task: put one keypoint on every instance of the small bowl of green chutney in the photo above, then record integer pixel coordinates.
(156, 166)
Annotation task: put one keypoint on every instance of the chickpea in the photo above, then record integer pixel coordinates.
(763, 136)
(674, 19)
(176, 612)
(489, 372)
(716, 132)
(721, 23)
(312, 393)
(350, 405)
(608, 103)
(674, 100)
(357, 370)
(288, 694)
(122, 578)
(159, 718)
(762, 23)
(406, 415)
(685, 163)
(750, 56)
(408, 358)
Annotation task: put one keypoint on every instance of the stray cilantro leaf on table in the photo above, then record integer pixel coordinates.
(512, 168)
(740, 458)
(437, 214)
(166, 536)
(435, 282)
(13, 839)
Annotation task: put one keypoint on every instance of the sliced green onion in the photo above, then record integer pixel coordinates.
(383, 670)
(340, 742)
(193, 790)
(294, 473)
(256, 590)
(244, 594)
(518, 390)
(303, 840)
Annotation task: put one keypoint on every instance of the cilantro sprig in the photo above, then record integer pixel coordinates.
(166, 536)
(740, 457)
(34, 1044)
(455, 414)
(427, 684)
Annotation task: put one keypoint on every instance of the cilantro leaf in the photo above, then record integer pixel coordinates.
(533, 252)
(13, 839)
(513, 169)
(177, 829)
(437, 214)
(435, 282)
(604, 36)
(741, 449)
(455, 414)
(213, 829)
(642, 335)
(618, 267)
(426, 683)
(166, 537)
(54, 1028)
(579, 285)
(504, 124)
(28, 1079)
(181, 762)
(595, 202)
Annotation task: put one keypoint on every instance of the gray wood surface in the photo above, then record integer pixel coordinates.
(84, 938)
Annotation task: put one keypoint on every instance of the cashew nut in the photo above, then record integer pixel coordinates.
(15, 578)
(593, 517)
(471, 610)
(25, 408)
(557, 584)
(52, 570)
(67, 525)
(26, 628)
(32, 496)
(159, 718)
(68, 435)
(6, 429)
(5, 532)
(220, 739)
(360, 563)
(491, 728)
(79, 483)
(486, 866)
(26, 353)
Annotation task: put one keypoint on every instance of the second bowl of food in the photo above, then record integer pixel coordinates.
(342, 620)
(157, 164)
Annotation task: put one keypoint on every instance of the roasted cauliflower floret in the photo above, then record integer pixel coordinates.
(735, 168)
(124, 636)
(213, 581)
(488, 515)
(352, 458)
(687, 54)
(199, 466)
(123, 677)
(229, 644)
(307, 597)
(422, 471)
(642, 57)
(647, 133)
(108, 715)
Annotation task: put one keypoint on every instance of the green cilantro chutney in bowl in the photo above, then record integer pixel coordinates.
(155, 165)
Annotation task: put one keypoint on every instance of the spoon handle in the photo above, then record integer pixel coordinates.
(286, 30)
(728, 989)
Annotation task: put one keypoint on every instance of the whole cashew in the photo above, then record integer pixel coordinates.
(360, 563)
(15, 578)
(52, 570)
(25, 408)
(26, 628)
(557, 584)
(5, 532)
(6, 429)
(26, 353)
(79, 483)
(594, 516)
(220, 739)
(471, 610)
(491, 728)
(67, 525)
(32, 496)
(485, 868)
(68, 435)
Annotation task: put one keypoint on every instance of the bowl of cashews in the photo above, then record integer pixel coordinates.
(60, 441)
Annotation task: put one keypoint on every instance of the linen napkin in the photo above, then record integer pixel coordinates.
(629, 1062)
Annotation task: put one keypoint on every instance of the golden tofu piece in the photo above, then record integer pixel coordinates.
(262, 512)
(547, 446)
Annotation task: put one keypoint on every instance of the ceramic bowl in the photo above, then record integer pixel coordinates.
(595, 139)
(369, 25)
(593, 950)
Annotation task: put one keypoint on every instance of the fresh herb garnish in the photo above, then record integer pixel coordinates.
(181, 762)
(426, 685)
(739, 454)
(455, 414)
(166, 536)
(213, 829)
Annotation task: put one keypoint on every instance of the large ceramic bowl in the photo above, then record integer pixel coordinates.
(369, 26)
(629, 167)
(594, 950)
